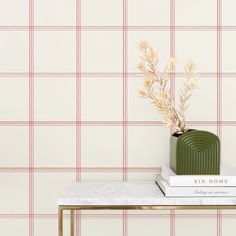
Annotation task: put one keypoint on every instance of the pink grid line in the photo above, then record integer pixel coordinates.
(118, 28)
(104, 74)
(125, 223)
(31, 118)
(125, 105)
(78, 90)
(125, 92)
(219, 95)
(78, 106)
(219, 58)
(120, 216)
(219, 223)
(172, 217)
(172, 44)
(172, 88)
(112, 123)
(82, 169)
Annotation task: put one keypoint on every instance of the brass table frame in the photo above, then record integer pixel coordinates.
(72, 208)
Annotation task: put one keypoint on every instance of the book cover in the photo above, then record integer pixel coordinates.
(170, 191)
(227, 177)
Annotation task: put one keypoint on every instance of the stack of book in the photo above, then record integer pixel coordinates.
(172, 185)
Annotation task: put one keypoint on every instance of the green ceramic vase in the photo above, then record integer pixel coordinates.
(195, 152)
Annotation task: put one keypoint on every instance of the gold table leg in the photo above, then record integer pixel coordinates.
(60, 221)
(72, 223)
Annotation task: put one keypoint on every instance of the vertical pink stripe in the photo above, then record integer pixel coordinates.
(125, 223)
(219, 222)
(31, 118)
(172, 88)
(172, 44)
(78, 106)
(219, 96)
(125, 129)
(125, 83)
(219, 76)
(172, 222)
(78, 90)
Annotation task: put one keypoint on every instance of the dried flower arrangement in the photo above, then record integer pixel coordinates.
(157, 90)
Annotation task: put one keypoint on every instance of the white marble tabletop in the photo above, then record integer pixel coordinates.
(129, 193)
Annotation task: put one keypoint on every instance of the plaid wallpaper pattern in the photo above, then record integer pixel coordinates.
(70, 110)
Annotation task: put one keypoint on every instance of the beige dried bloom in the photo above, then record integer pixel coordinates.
(147, 83)
(141, 66)
(148, 75)
(170, 65)
(193, 85)
(168, 123)
(152, 55)
(156, 87)
(190, 66)
(142, 93)
(163, 94)
(143, 45)
(172, 62)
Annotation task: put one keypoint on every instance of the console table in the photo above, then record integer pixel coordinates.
(131, 195)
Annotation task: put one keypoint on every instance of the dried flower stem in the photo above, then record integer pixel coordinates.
(156, 90)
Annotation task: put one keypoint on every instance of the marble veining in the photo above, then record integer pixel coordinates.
(129, 193)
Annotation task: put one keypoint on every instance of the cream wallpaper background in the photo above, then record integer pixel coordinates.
(70, 109)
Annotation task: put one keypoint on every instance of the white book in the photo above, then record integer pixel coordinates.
(227, 177)
(194, 191)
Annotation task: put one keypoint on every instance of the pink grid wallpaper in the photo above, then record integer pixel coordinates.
(70, 109)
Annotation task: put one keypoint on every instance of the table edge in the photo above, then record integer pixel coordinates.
(147, 207)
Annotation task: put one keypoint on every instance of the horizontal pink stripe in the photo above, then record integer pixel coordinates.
(119, 216)
(111, 123)
(104, 74)
(120, 28)
(82, 169)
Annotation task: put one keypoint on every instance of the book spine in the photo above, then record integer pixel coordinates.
(199, 181)
(200, 192)
(196, 191)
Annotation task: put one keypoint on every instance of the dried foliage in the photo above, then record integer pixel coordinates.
(157, 86)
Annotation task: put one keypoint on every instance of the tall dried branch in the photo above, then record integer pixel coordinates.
(156, 86)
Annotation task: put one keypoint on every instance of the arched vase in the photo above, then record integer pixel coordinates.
(195, 152)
